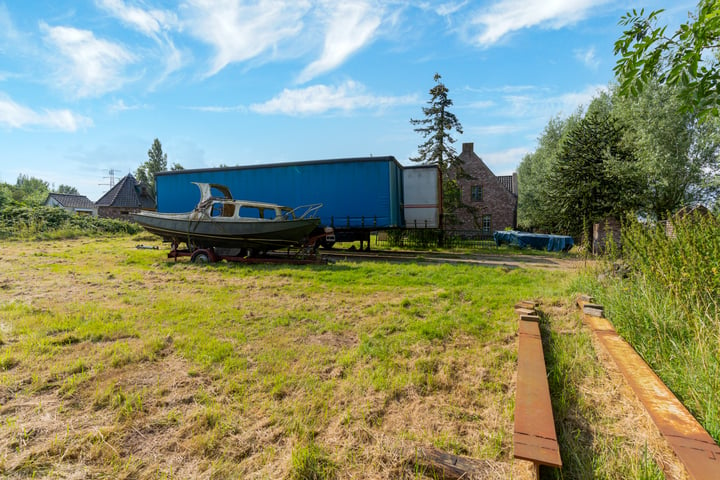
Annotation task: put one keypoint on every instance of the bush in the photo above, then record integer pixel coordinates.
(25, 222)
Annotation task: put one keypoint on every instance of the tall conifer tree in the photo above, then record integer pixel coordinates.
(436, 128)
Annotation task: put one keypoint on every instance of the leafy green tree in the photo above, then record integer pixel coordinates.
(688, 59)
(67, 189)
(534, 210)
(30, 190)
(156, 162)
(678, 154)
(5, 194)
(436, 128)
(596, 173)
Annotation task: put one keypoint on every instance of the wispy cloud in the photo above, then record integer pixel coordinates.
(8, 33)
(587, 57)
(350, 26)
(319, 99)
(14, 115)
(490, 25)
(120, 106)
(91, 66)
(449, 8)
(153, 23)
(149, 22)
(534, 104)
(240, 31)
(219, 109)
(504, 162)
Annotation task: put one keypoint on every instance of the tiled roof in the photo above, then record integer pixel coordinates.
(72, 201)
(127, 193)
(506, 181)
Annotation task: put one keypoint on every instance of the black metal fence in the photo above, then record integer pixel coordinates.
(434, 237)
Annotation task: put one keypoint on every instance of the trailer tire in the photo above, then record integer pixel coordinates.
(326, 245)
(200, 258)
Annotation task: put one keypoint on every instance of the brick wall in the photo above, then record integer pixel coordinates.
(604, 232)
(491, 196)
(117, 213)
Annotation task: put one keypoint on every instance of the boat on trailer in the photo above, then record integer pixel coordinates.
(235, 228)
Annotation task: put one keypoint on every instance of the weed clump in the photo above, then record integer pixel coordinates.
(310, 462)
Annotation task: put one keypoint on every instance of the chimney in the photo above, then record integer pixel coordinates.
(468, 148)
(515, 183)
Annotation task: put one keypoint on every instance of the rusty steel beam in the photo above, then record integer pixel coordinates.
(694, 447)
(534, 435)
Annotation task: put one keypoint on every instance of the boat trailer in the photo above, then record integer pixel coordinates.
(304, 255)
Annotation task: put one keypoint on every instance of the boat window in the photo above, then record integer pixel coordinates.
(250, 212)
(220, 209)
(269, 213)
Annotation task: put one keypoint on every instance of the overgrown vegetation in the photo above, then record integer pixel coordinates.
(667, 306)
(33, 223)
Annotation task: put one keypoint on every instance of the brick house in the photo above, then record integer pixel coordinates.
(493, 198)
(125, 197)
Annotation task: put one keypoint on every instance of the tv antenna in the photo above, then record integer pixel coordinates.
(110, 178)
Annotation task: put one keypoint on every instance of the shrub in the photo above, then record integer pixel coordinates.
(22, 221)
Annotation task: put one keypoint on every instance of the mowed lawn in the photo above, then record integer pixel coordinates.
(116, 362)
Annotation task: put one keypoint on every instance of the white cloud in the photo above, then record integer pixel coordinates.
(148, 22)
(318, 99)
(505, 162)
(153, 23)
(588, 58)
(93, 67)
(446, 9)
(219, 109)
(507, 16)
(350, 26)
(14, 115)
(544, 106)
(120, 106)
(240, 31)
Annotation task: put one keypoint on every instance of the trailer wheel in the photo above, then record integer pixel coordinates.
(200, 257)
(326, 245)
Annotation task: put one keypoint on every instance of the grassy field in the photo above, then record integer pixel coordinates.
(118, 363)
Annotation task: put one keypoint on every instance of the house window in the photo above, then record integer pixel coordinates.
(486, 223)
(476, 193)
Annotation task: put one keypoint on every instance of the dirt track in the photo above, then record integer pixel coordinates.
(508, 261)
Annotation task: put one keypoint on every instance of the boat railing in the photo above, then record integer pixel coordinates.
(303, 211)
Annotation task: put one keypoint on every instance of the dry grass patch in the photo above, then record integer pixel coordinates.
(120, 363)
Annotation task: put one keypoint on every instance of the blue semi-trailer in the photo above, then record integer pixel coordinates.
(359, 195)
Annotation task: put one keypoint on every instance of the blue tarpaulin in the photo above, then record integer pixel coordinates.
(538, 241)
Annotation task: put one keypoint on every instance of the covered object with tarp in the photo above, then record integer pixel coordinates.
(538, 241)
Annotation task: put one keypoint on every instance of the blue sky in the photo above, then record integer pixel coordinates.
(85, 86)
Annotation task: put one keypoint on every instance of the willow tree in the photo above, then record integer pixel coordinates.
(437, 128)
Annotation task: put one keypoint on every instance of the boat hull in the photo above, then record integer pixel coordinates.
(204, 232)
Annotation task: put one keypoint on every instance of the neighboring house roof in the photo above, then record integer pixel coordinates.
(71, 201)
(127, 193)
(692, 210)
(507, 182)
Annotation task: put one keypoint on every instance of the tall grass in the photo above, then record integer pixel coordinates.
(667, 307)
